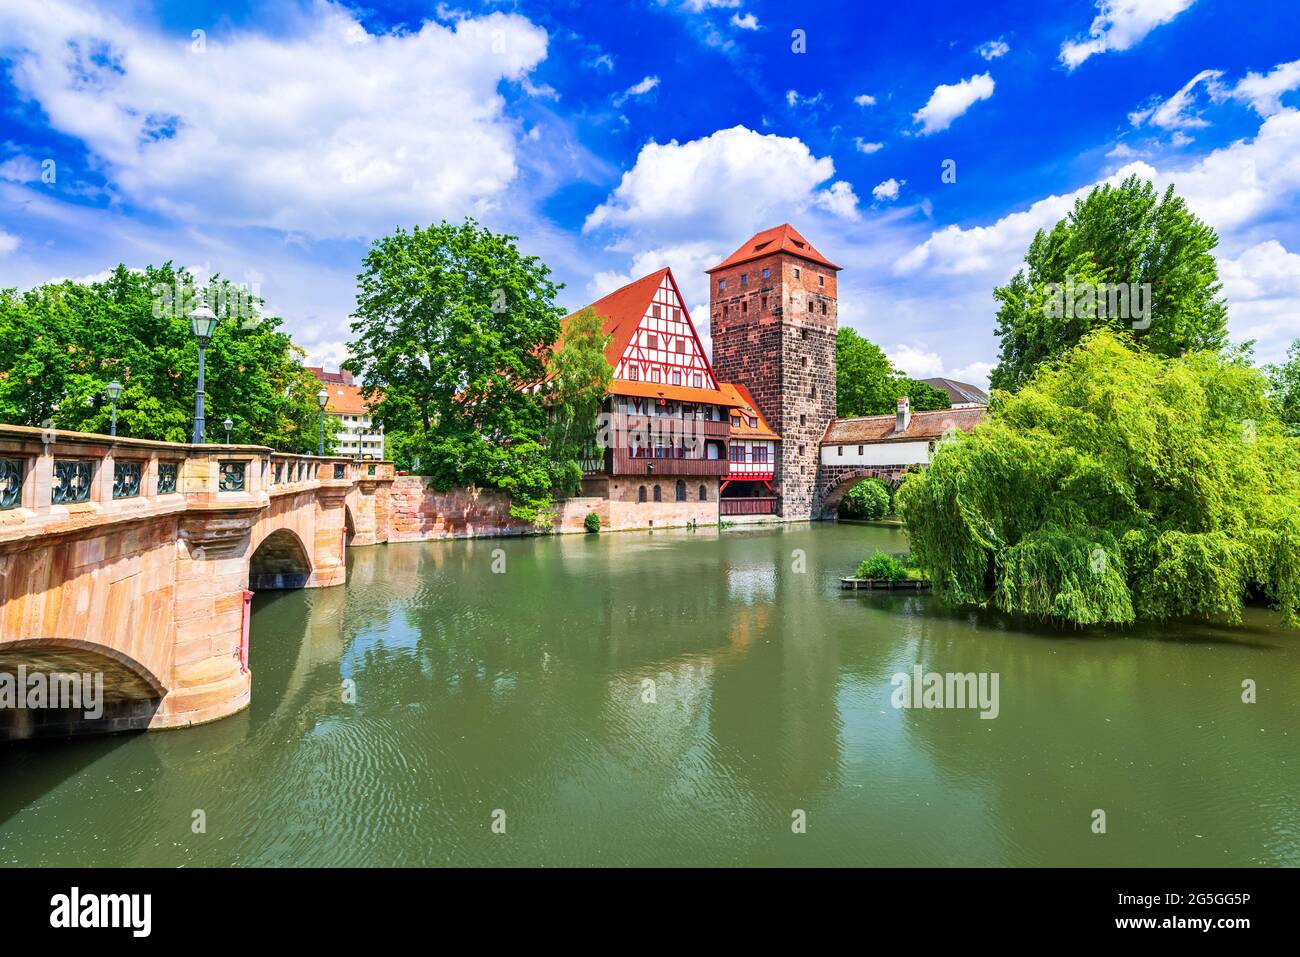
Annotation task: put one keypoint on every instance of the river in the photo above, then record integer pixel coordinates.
(489, 702)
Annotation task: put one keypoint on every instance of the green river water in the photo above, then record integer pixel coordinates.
(505, 680)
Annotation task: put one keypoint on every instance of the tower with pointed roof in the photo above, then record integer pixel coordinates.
(772, 308)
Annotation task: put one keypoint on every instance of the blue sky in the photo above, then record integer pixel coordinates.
(273, 141)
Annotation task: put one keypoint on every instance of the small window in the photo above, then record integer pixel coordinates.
(704, 494)
(654, 375)
(657, 311)
(633, 373)
(735, 421)
(753, 422)
(839, 450)
(744, 279)
(640, 494)
(859, 450)
(764, 304)
(823, 308)
(796, 272)
(803, 362)
(680, 346)
(803, 333)
(697, 380)
(767, 274)
(677, 378)
(803, 420)
(744, 306)
(722, 285)
(821, 280)
(651, 340)
(726, 309)
(659, 495)
(681, 491)
(812, 393)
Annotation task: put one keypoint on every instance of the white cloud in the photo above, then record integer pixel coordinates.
(20, 169)
(747, 22)
(699, 6)
(1180, 139)
(951, 100)
(327, 131)
(8, 242)
(839, 199)
(640, 88)
(1120, 25)
(1264, 92)
(865, 147)
(1178, 112)
(600, 61)
(977, 373)
(864, 99)
(993, 49)
(1123, 151)
(915, 361)
(887, 190)
(692, 189)
(1262, 286)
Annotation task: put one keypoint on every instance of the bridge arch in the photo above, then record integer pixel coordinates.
(279, 561)
(120, 693)
(837, 483)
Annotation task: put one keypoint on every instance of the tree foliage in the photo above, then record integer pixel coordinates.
(1123, 234)
(1284, 387)
(452, 336)
(578, 378)
(62, 343)
(869, 499)
(1116, 485)
(866, 382)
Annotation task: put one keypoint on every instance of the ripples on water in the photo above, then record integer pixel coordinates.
(523, 692)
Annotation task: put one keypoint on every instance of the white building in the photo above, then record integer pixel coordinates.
(360, 437)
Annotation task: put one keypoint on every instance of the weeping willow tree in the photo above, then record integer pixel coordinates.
(579, 376)
(1117, 485)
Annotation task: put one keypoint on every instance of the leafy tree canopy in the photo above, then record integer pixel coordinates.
(578, 378)
(453, 337)
(1116, 485)
(866, 382)
(62, 343)
(1284, 386)
(1122, 250)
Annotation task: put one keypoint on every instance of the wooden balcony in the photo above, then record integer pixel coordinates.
(622, 462)
(765, 505)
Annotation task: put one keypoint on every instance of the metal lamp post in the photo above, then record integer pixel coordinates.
(114, 391)
(229, 425)
(322, 399)
(202, 322)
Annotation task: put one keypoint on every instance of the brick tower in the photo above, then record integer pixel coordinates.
(772, 308)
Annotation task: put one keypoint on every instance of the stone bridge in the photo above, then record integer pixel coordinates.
(834, 481)
(134, 560)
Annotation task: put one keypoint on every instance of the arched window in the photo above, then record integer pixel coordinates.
(640, 494)
(704, 494)
(681, 491)
(659, 495)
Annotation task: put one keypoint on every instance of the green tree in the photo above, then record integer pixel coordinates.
(578, 378)
(451, 333)
(869, 499)
(1116, 485)
(62, 343)
(1116, 241)
(1284, 387)
(866, 382)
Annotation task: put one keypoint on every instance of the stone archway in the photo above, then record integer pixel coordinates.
(280, 561)
(836, 481)
(55, 687)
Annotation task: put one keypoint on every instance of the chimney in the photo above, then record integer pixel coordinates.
(904, 415)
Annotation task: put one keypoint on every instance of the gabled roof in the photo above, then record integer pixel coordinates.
(622, 311)
(880, 428)
(959, 391)
(743, 406)
(662, 390)
(779, 239)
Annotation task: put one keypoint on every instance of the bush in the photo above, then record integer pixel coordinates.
(883, 566)
(592, 522)
(869, 499)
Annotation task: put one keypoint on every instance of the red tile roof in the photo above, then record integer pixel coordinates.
(344, 397)
(779, 239)
(662, 390)
(743, 406)
(880, 428)
(623, 310)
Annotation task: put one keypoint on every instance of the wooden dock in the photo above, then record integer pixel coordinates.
(904, 584)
